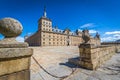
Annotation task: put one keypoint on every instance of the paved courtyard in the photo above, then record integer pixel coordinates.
(55, 62)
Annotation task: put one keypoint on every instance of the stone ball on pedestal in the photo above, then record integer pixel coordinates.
(10, 27)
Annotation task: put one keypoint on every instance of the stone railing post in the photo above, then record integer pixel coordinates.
(88, 56)
(14, 56)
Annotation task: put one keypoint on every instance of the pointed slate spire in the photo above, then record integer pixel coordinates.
(97, 35)
(45, 14)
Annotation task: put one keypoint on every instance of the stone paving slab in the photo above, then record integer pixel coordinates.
(55, 61)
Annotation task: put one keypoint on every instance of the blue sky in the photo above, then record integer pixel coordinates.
(102, 16)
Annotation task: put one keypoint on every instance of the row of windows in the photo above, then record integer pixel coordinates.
(62, 38)
(55, 36)
(47, 29)
(54, 43)
(57, 30)
(44, 22)
(54, 39)
(46, 26)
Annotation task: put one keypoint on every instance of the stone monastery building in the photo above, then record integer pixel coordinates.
(46, 35)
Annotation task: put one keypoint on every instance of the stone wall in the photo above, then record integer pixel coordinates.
(14, 62)
(34, 39)
(116, 44)
(91, 56)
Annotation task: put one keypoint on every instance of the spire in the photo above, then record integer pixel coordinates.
(97, 35)
(45, 14)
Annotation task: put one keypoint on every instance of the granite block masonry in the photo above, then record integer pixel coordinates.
(15, 57)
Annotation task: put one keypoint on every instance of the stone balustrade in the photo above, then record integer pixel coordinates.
(116, 44)
(92, 57)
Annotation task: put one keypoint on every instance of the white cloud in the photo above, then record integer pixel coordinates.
(111, 36)
(107, 39)
(87, 25)
(116, 35)
(113, 32)
(92, 31)
(29, 33)
(79, 30)
(20, 39)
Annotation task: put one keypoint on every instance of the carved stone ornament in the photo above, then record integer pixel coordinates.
(85, 36)
(10, 27)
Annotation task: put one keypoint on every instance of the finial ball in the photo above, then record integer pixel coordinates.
(10, 27)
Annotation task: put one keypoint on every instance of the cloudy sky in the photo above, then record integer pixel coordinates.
(101, 16)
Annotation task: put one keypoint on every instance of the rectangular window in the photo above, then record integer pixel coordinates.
(43, 42)
(43, 35)
(43, 22)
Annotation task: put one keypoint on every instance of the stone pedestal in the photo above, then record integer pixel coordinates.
(88, 56)
(14, 56)
(14, 61)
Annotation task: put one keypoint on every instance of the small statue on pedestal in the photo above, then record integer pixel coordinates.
(86, 36)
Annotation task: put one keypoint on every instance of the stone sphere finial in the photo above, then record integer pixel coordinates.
(10, 27)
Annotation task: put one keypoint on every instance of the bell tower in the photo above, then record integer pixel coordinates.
(44, 23)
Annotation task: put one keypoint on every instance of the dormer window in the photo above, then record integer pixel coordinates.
(52, 29)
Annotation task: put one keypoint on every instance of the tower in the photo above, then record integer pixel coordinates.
(44, 23)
